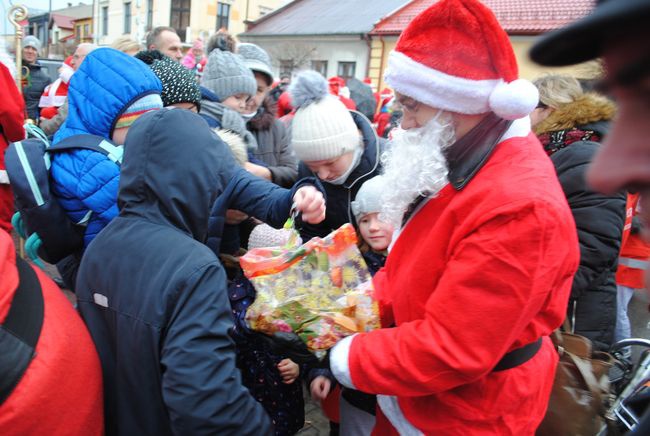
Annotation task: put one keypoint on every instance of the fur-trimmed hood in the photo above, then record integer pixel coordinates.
(265, 116)
(587, 109)
(236, 144)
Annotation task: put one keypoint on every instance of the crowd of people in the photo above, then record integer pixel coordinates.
(490, 211)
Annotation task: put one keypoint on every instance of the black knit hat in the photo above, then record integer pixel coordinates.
(179, 84)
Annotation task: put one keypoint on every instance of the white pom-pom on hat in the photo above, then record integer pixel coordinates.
(514, 100)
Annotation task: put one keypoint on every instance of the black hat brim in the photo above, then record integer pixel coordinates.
(584, 39)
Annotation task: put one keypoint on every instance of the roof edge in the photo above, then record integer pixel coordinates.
(283, 35)
(253, 24)
(390, 14)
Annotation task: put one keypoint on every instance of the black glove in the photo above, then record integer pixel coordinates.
(287, 344)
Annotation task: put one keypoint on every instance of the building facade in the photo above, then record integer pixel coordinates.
(57, 31)
(329, 36)
(190, 18)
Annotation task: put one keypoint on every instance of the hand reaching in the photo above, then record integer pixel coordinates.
(310, 203)
(320, 388)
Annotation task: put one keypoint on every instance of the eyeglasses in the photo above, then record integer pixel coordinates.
(407, 105)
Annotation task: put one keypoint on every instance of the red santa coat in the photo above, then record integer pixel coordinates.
(61, 390)
(53, 98)
(12, 116)
(474, 274)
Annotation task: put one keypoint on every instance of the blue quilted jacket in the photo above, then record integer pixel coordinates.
(86, 182)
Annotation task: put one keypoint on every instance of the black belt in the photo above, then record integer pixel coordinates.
(518, 356)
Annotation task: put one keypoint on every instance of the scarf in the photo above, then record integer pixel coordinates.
(554, 141)
(229, 120)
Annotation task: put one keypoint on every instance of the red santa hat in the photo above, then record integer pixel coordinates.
(455, 56)
(66, 70)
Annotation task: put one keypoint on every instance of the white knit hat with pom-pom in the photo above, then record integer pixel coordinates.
(455, 56)
(323, 127)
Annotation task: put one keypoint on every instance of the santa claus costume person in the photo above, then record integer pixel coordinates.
(481, 270)
(56, 92)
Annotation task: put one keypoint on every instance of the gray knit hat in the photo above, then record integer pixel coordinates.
(32, 41)
(368, 199)
(226, 75)
(178, 83)
(256, 59)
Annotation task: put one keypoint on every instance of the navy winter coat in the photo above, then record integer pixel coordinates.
(38, 81)
(154, 296)
(339, 197)
(599, 220)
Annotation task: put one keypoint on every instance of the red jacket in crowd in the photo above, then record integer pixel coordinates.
(633, 260)
(61, 391)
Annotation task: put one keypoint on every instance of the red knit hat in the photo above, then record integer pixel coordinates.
(455, 56)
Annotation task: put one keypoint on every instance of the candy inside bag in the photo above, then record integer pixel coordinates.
(320, 290)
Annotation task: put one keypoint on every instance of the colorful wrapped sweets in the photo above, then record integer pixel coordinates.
(320, 290)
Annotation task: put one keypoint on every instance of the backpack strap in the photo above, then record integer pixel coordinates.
(21, 329)
(90, 142)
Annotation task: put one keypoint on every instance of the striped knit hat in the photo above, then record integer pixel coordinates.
(140, 106)
(179, 84)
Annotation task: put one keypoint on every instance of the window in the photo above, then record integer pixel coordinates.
(127, 17)
(320, 67)
(77, 32)
(286, 67)
(149, 14)
(223, 15)
(86, 30)
(346, 69)
(104, 20)
(180, 18)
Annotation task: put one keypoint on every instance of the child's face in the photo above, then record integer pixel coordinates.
(375, 232)
(331, 169)
(237, 102)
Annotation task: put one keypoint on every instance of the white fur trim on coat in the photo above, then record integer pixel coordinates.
(236, 144)
(339, 361)
(437, 89)
(392, 411)
(518, 129)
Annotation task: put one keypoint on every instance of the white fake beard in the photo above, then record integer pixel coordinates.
(414, 165)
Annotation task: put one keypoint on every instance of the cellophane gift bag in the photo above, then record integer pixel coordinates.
(320, 290)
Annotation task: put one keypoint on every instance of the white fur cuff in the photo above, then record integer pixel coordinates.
(339, 361)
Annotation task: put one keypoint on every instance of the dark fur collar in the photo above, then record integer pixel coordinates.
(265, 116)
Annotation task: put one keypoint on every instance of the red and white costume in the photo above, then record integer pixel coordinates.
(55, 93)
(477, 271)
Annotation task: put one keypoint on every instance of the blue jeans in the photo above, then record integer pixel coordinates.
(623, 328)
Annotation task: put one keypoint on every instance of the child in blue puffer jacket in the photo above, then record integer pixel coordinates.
(109, 91)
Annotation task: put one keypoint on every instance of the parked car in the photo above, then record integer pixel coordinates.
(52, 67)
